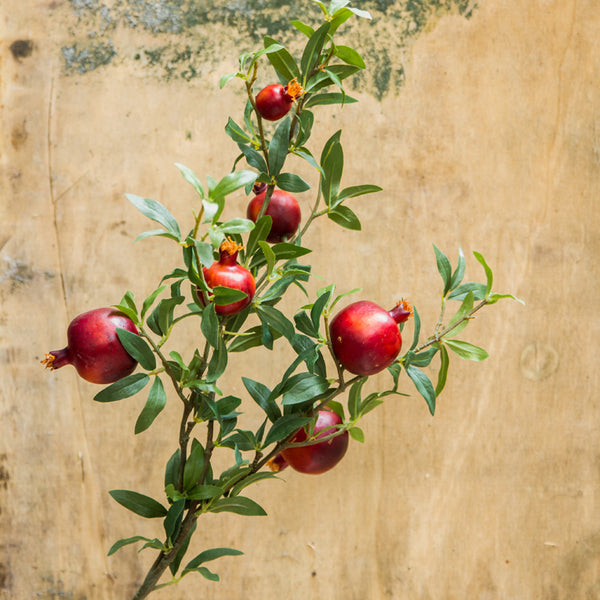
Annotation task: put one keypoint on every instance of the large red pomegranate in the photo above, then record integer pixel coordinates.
(320, 457)
(93, 347)
(283, 209)
(274, 101)
(365, 338)
(227, 273)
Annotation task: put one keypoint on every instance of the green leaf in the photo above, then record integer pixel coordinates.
(345, 217)
(277, 320)
(461, 291)
(210, 325)
(465, 308)
(172, 521)
(204, 492)
(307, 30)
(488, 272)
(149, 301)
(157, 400)
(125, 542)
(137, 348)
(139, 503)
(356, 433)
(443, 372)
(333, 166)
(218, 362)
(354, 398)
(284, 427)
(174, 565)
(350, 56)
(354, 191)
(328, 98)
(278, 147)
(237, 225)
(269, 256)
(423, 385)
(232, 182)
(124, 388)
(292, 183)
(459, 272)
(194, 465)
(260, 393)
(157, 212)
(467, 350)
(258, 234)
(444, 267)
(236, 133)
(283, 62)
(209, 555)
(493, 298)
(250, 479)
(172, 468)
(312, 50)
(192, 179)
(417, 328)
(303, 388)
(239, 505)
(226, 295)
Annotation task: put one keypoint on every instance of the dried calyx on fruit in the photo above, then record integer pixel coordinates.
(274, 101)
(365, 338)
(316, 458)
(226, 272)
(284, 211)
(93, 347)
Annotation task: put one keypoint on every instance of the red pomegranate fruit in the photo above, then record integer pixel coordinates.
(283, 209)
(227, 273)
(365, 338)
(94, 348)
(274, 101)
(315, 459)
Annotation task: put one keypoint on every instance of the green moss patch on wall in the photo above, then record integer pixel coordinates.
(186, 39)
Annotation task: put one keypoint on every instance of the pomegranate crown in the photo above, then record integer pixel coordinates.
(230, 247)
(293, 89)
(402, 311)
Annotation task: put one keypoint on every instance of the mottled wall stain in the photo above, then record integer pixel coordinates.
(186, 39)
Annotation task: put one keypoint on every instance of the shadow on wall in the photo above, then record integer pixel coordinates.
(186, 39)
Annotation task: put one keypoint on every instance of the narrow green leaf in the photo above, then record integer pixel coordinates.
(124, 388)
(459, 272)
(345, 217)
(354, 398)
(204, 492)
(210, 325)
(232, 182)
(240, 505)
(237, 225)
(284, 427)
(461, 291)
(417, 328)
(194, 465)
(328, 98)
(312, 50)
(488, 272)
(172, 522)
(209, 555)
(236, 133)
(157, 212)
(269, 256)
(291, 182)
(495, 297)
(444, 267)
(465, 308)
(250, 479)
(258, 234)
(423, 385)
(139, 503)
(277, 320)
(218, 362)
(333, 166)
(303, 388)
(283, 62)
(467, 350)
(125, 542)
(307, 30)
(174, 565)
(443, 372)
(137, 348)
(353, 192)
(149, 301)
(157, 400)
(226, 295)
(260, 393)
(350, 56)
(278, 147)
(192, 179)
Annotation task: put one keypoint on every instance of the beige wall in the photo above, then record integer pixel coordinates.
(492, 144)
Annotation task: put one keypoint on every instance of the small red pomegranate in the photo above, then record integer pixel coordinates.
(318, 458)
(274, 101)
(227, 273)
(365, 338)
(93, 347)
(283, 209)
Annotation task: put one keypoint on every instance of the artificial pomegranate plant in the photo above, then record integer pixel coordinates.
(231, 279)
